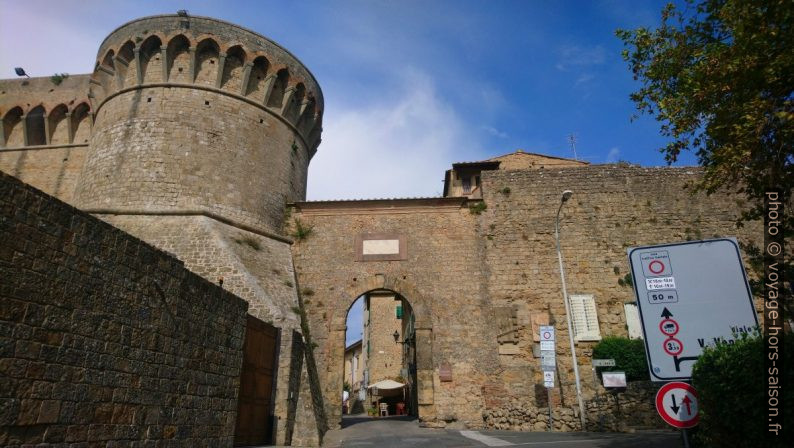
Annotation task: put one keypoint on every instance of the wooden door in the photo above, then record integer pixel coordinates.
(260, 360)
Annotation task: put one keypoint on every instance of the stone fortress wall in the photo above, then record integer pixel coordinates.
(191, 134)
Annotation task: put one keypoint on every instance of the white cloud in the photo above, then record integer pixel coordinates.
(584, 78)
(575, 56)
(397, 147)
(613, 155)
(495, 132)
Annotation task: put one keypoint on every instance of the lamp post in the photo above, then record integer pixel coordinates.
(565, 196)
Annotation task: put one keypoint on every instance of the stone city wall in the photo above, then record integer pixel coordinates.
(613, 207)
(486, 281)
(105, 339)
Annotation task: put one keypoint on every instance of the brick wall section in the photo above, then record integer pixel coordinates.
(106, 339)
(521, 160)
(613, 207)
(53, 170)
(254, 267)
(30, 92)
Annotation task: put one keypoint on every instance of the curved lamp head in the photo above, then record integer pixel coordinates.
(566, 195)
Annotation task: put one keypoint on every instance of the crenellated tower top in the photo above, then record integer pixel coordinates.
(210, 54)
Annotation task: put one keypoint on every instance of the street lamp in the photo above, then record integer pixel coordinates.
(565, 196)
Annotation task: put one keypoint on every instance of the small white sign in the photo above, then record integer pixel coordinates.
(604, 363)
(614, 379)
(546, 333)
(662, 297)
(548, 379)
(547, 360)
(656, 264)
(381, 247)
(547, 345)
(653, 284)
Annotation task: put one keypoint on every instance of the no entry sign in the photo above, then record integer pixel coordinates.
(677, 403)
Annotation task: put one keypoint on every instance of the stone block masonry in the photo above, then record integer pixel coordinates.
(105, 340)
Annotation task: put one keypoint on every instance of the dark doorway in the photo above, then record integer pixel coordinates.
(257, 381)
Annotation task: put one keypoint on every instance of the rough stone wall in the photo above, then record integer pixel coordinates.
(104, 338)
(256, 268)
(521, 160)
(53, 165)
(54, 170)
(613, 207)
(441, 279)
(28, 93)
(631, 408)
(186, 149)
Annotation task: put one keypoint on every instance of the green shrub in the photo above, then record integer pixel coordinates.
(477, 208)
(731, 383)
(302, 231)
(58, 78)
(629, 356)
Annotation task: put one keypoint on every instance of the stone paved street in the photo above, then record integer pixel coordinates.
(361, 431)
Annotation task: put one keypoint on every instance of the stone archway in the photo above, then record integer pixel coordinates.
(424, 344)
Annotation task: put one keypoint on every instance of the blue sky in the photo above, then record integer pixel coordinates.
(355, 323)
(410, 86)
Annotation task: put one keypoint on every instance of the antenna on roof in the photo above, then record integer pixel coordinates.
(572, 141)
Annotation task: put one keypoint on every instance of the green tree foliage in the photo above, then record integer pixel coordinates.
(719, 76)
(629, 356)
(731, 382)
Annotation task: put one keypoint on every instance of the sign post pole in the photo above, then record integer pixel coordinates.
(551, 419)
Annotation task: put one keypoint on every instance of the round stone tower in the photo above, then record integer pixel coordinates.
(197, 115)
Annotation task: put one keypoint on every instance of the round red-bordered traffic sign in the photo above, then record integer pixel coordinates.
(677, 404)
(673, 351)
(665, 325)
(656, 271)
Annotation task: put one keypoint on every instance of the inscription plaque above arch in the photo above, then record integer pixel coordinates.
(380, 247)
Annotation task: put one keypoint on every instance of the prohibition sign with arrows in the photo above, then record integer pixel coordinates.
(677, 403)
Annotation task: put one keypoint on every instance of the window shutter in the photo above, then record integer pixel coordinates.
(633, 320)
(585, 317)
(399, 311)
